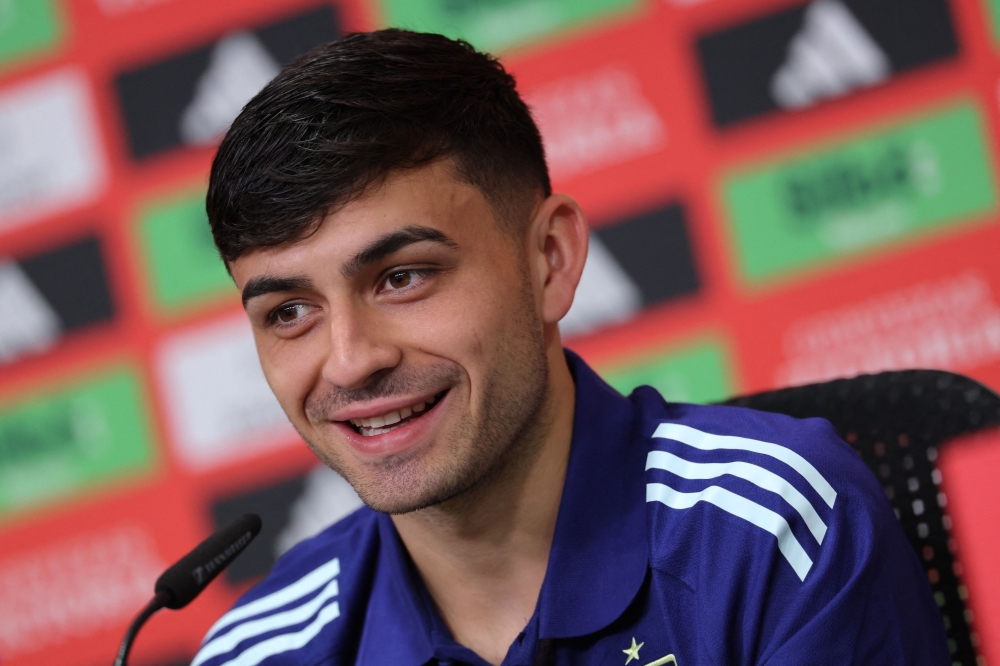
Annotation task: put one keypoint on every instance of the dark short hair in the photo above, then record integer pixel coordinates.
(346, 114)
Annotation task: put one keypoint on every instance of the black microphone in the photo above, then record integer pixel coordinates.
(181, 583)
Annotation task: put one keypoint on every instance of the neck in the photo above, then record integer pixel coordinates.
(483, 556)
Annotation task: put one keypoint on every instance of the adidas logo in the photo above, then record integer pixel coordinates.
(192, 96)
(606, 293)
(326, 498)
(27, 323)
(632, 264)
(239, 67)
(832, 55)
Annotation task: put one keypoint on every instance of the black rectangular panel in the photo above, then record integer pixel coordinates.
(74, 283)
(155, 98)
(825, 49)
(655, 250)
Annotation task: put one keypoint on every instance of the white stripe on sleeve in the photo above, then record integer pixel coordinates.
(756, 475)
(709, 442)
(743, 508)
(286, 642)
(228, 641)
(309, 583)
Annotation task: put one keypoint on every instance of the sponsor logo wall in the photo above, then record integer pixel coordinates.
(780, 192)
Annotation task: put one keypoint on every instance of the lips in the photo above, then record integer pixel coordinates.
(383, 423)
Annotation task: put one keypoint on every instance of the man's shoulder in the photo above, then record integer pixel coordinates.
(744, 489)
(778, 522)
(297, 609)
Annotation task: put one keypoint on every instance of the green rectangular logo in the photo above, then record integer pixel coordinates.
(886, 186)
(993, 9)
(695, 372)
(79, 437)
(26, 27)
(184, 266)
(496, 24)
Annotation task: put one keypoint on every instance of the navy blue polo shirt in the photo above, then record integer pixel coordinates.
(686, 535)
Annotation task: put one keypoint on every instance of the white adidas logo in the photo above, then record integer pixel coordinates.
(832, 55)
(27, 322)
(326, 498)
(606, 293)
(239, 67)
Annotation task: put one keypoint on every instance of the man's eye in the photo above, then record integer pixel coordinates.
(286, 314)
(401, 279)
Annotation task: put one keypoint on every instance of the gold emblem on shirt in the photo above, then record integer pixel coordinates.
(633, 653)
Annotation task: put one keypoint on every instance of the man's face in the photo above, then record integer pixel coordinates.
(403, 339)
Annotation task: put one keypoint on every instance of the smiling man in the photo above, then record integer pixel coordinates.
(385, 209)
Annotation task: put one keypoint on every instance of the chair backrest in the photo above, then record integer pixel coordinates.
(897, 422)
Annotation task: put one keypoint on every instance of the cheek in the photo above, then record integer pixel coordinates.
(460, 326)
(472, 328)
(292, 368)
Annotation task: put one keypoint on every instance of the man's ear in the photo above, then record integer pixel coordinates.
(558, 250)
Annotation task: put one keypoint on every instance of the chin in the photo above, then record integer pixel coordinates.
(407, 490)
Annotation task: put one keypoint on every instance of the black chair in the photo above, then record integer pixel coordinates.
(897, 421)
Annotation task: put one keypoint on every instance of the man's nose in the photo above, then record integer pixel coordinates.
(358, 351)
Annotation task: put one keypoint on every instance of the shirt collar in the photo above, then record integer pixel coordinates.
(600, 551)
(397, 627)
(601, 520)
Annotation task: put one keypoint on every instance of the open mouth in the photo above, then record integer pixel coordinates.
(383, 423)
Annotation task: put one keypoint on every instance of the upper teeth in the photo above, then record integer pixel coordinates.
(392, 417)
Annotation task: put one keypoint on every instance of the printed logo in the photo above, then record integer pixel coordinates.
(951, 323)
(920, 175)
(495, 24)
(238, 67)
(291, 510)
(642, 261)
(830, 56)
(44, 296)
(596, 120)
(695, 372)
(822, 50)
(76, 438)
(75, 587)
(190, 99)
(26, 27)
(183, 263)
(219, 405)
(205, 571)
(50, 158)
(27, 322)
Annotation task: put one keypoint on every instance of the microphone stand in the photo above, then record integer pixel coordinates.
(155, 604)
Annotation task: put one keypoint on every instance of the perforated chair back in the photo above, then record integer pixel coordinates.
(897, 422)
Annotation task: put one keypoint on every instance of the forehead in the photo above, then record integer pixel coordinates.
(430, 196)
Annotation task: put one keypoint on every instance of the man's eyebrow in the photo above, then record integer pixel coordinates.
(266, 284)
(393, 242)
